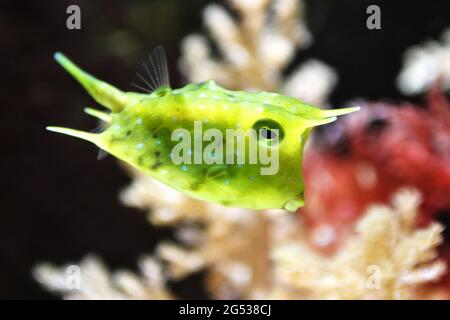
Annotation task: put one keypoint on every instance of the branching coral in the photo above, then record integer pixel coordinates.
(425, 64)
(386, 258)
(231, 242)
(366, 157)
(386, 241)
(90, 279)
(255, 50)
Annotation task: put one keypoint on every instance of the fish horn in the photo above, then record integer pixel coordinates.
(102, 92)
(319, 122)
(338, 112)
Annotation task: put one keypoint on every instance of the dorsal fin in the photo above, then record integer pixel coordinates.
(153, 73)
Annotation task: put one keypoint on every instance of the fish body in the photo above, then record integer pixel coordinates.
(145, 131)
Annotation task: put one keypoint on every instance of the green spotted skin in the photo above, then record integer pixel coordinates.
(140, 126)
(141, 135)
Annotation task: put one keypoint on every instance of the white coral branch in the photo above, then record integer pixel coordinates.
(424, 65)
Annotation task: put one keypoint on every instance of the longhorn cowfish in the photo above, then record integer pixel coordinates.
(181, 136)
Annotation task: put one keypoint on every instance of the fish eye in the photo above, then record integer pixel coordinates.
(268, 134)
(268, 130)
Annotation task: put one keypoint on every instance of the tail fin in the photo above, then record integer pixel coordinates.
(102, 92)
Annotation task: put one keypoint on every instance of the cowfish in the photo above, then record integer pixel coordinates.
(165, 133)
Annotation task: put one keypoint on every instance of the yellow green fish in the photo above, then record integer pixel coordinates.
(181, 136)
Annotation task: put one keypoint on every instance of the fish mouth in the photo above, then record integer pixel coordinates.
(294, 204)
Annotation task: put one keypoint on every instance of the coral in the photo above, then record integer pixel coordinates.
(425, 64)
(386, 258)
(255, 50)
(237, 264)
(367, 156)
(96, 282)
(264, 255)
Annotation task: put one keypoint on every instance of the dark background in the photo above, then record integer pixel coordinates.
(58, 202)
